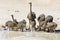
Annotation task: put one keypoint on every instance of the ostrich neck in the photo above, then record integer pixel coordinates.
(13, 18)
(31, 8)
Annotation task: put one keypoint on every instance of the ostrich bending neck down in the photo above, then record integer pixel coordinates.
(31, 16)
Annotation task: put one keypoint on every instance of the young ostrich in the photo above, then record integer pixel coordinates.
(46, 24)
(11, 24)
(50, 26)
(41, 20)
(21, 25)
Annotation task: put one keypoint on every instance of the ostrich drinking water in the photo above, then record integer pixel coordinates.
(47, 23)
(41, 20)
(50, 26)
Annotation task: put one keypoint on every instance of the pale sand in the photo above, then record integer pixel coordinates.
(13, 35)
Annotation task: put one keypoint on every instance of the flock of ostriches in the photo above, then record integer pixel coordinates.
(45, 23)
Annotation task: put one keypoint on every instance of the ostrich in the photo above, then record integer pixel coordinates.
(31, 16)
(50, 25)
(21, 25)
(47, 23)
(49, 18)
(41, 20)
(11, 24)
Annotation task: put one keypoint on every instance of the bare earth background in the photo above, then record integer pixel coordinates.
(20, 9)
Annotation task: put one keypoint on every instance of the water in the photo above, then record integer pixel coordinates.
(17, 35)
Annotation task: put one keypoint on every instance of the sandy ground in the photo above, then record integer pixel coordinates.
(13, 35)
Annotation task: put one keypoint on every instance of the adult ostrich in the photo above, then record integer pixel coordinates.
(31, 16)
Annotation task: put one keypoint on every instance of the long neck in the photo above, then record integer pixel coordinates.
(12, 17)
(30, 7)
